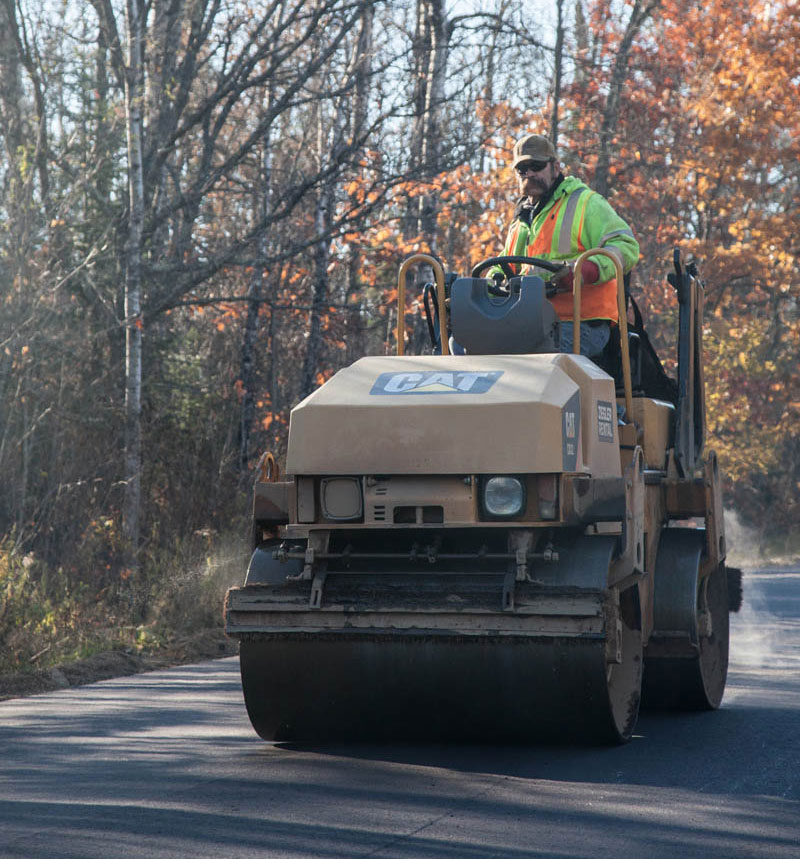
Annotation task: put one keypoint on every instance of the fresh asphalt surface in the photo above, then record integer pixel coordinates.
(166, 765)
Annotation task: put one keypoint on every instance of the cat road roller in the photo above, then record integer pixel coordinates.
(508, 544)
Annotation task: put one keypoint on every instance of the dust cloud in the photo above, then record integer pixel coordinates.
(762, 630)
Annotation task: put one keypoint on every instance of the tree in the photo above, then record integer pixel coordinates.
(134, 128)
(640, 12)
(233, 198)
(336, 143)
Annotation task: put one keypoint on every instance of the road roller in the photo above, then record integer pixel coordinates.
(494, 541)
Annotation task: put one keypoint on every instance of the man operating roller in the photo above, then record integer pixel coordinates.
(557, 218)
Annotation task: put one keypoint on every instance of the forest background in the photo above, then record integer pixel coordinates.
(204, 206)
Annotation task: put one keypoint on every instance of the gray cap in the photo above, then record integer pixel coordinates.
(533, 147)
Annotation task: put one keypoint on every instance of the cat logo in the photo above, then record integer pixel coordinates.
(435, 383)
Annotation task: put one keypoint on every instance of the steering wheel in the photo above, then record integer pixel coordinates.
(504, 263)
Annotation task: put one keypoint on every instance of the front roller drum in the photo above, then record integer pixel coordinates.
(456, 688)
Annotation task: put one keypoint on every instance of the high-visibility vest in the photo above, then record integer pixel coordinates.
(560, 232)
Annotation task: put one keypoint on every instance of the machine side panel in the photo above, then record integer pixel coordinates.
(599, 432)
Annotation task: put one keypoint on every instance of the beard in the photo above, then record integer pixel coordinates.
(536, 186)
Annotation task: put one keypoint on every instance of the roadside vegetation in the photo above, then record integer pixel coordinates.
(168, 611)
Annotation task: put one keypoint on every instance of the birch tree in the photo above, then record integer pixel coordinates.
(134, 127)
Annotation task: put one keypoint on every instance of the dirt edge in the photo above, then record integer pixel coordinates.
(206, 644)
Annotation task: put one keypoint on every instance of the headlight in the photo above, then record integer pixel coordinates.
(341, 498)
(503, 497)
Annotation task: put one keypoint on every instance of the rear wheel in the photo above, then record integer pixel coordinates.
(686, 667)
(624, 678)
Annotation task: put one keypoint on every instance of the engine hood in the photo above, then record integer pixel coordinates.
(456, 414)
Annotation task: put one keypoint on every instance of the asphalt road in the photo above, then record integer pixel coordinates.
(166, 765)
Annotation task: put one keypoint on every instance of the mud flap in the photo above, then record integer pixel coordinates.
(583, 564)
(264, 569)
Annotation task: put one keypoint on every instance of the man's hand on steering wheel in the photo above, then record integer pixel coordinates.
(498, 283)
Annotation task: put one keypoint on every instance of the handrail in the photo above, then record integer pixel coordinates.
(623, 318)
(438, 273)
(268, 469)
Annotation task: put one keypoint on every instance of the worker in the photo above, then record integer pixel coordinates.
(557, 218)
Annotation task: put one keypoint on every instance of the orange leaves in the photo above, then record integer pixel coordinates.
(362, 192)
(382, 235)
(707, 141)
(757, 296)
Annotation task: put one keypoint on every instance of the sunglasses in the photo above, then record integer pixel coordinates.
(531, 167)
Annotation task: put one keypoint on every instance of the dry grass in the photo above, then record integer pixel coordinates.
(56, 630)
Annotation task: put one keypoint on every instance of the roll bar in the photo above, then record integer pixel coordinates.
(438, 273)
(623, 318)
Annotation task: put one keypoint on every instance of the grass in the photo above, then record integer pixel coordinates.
(49, 616)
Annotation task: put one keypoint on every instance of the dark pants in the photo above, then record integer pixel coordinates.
(594, 336)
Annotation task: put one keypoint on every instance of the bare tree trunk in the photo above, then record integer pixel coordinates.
(434, 31)
(356, 311)
(255, 293)
(357, 73)
(420, 51)
(362, 72)
(322, 224)
(12, 129)
(355, 339)
(440, 31)
(134, 92)
(557, 72)
(639, 15)
(490, 55)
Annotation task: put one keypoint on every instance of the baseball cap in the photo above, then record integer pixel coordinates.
(533, 147)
